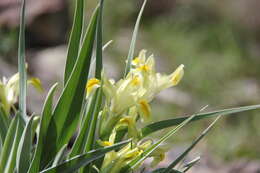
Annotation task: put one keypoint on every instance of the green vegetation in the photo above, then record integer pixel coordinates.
(112, 120)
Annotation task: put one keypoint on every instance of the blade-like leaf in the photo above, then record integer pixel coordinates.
(79, 144)
(149, 150)
(3, 124)
(1, 145)
(6, 150)
(160, 170)
(21, 64)
(60, 156)
(75, 37)
(99, 56)
(106, 45)
(42, 143)
(9, 165)
(190, 164)
(99, 66)
(93, 125)
(175, 121)
(132, 44)
(176, 161)
(24, 148)
(82, 160)
(67, 111)
(93, 61)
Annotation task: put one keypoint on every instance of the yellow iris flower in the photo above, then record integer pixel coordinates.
(127, 101)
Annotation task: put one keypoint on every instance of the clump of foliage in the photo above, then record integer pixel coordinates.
(106, 116)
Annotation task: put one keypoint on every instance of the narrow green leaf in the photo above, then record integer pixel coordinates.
(21, 64)
(106, 45)
(3, 124)
(82, 160)
(79, 144)
(93, 61)
(89, 145)
(99, 66)
(132, 44)
(9, 166)
(93, 123)
(67, 111)
(160, 170)
(190, 164)
(150, 149)
(99, 56)
(1, 145)
(75, 37)
(6, 150)
(7, 118)
(60, 156)
(41, 152)
(24, 148)
(175, 121)
(66, 114)
(176, 161)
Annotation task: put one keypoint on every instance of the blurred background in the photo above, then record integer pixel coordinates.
(217, 41)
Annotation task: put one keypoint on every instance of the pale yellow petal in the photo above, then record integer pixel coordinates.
(177, 75)
(144, 110)
(104, 143)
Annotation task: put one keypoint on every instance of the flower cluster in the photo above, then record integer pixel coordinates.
(127, 101)
(139, 87)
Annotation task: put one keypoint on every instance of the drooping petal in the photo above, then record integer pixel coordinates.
(92, 84)
(157, 159)
(177, 75)
(130, 122)
(159, 154)
(144, 110)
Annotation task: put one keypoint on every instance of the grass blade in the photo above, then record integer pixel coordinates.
(39, 156)
(190, 164)
(93, 61)
(149, 150)
(66, 114)
(99, 56)
(11, 150)
(99, 66)
(93, 125)
(176, 161)
(21, 64)
(6, 150)
(3, 124)
(160, 170)
(132, 44)
(79, 144)
(24, 148)
(175, 121)
(60, 156)
(106, 45)
(75, 37)
(67, 111)
(82, 160)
